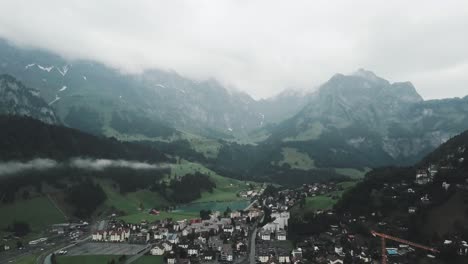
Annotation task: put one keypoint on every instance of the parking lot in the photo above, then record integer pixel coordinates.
(105, 249)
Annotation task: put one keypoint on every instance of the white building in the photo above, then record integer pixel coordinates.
(281, 219)
(167, 246)
(226, 253)
(228, 229)
(99, 236)
(158, 250)
(265, 235)
(339, 251)
(272, 227)
(263, 258)
(281, 235)
(235, 214)
(158, 236)
(192, 251)
(171, 260)
(284, 259)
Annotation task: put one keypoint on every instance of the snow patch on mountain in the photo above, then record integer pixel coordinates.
(181, 90)
(34, 92)
(356, 142)
(63, 88)
(64, 69)
(55, 100)
(427, 112)
(84, 78)
(47, 69)
(29, 66)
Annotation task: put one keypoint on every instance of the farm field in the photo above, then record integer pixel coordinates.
(226, 188)
(213, 206)
(130, 202)
(320, 202)
(296, 159)
(352, 173)
(225, 194)
(323, 202)
(38, 212)
(138, 217)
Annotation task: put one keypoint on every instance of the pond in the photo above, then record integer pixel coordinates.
(213, 206)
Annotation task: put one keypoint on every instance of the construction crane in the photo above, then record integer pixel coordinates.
(385, 236)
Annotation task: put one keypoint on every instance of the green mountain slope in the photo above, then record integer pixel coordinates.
(363, 120)
(108, 98)
(16, 99)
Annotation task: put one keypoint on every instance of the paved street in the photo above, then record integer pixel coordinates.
(137, 256)
(252, 246)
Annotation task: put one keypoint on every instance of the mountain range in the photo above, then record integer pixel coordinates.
(105, 97)
(385, 123)
(351, 121)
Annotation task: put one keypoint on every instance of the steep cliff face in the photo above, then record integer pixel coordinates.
(16, 99)
(363, 115)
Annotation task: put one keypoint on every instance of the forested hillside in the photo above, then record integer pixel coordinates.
(27, 138)
(437, 187)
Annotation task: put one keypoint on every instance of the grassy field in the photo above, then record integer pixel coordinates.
(39, 212)
(296, 159)
(353, 173)
(31, 259)
(219, 195)
(138, 217)
(226, 188)
(98, 259)
(320, 202)
(311, 133)
(323, 202)
(130, 202)
(208, 147)
(150, 260)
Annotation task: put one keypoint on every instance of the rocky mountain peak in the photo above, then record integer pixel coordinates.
(16, 99)
(406, 91)
(368, 75)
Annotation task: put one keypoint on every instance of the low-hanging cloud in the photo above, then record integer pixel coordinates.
(101, 164)
(15, 167)
(259, 46)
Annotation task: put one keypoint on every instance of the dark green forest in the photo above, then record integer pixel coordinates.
(26, 138)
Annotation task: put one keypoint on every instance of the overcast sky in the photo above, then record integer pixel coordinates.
(258, 46)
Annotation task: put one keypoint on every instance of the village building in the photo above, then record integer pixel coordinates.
(281, 235)
(226, 253)
(265, 235)
(158, 250)
(193, 250)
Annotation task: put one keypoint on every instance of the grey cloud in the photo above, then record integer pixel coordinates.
(259, 46)
(101, 164)
(13, 167)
